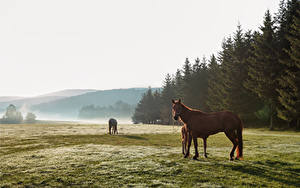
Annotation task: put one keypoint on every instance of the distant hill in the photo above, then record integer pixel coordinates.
(9, 98)
(70, 106)
(69, 92)
(30, 101)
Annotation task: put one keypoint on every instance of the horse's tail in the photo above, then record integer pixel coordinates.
(239, 151)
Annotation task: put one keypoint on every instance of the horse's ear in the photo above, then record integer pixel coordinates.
(173, 101)
(179, 100)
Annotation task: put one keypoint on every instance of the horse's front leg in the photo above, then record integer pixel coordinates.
(196, 148)
(189, 145)
(204, 144)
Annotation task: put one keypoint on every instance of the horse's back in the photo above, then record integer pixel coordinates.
(112, 122)
(212, 123)
(230, 120)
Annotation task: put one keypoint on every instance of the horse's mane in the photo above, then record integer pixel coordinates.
(191, 109)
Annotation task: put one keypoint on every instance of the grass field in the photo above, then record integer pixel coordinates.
(143, 156)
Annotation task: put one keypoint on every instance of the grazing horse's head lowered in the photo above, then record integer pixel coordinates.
(176, 109)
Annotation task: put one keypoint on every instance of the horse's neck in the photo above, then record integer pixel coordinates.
(185, 114)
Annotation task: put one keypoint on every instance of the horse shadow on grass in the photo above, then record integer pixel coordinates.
(269, 170)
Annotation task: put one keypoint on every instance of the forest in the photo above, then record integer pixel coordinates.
(120, 110)
(256, 75)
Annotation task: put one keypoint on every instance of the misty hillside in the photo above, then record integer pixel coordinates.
(69, 92)
(30, 101)
(9, 98)
(69, 107)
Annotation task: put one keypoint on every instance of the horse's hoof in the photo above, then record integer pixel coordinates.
(195, 157)
(231, 159)
(239, 158)
(205, 156)
(186, 156)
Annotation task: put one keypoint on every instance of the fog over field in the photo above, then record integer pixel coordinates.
(89, 106)
(61, 118)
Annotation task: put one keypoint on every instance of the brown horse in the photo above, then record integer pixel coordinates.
(201, 124)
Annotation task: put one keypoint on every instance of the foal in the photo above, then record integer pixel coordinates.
(184, 138)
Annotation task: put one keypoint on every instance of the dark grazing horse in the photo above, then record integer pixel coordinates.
(201, 125)
(112, 124)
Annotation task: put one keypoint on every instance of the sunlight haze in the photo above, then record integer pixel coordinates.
(46, 46)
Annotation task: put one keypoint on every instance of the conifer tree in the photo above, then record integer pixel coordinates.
(236, 72)
(178, 84)
(139, 115)
(215, 90)
(186, 88)
(146, 110)
(157, 106)
(167, 95)
(150, 107)
(199, 84)
(289, 91)
(240, 100)
(225, 58)
(264, 67)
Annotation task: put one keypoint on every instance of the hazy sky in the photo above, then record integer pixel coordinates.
(50, 45)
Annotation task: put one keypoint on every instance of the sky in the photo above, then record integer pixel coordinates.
(46, 46)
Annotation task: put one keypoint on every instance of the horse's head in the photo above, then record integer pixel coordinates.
(176, 108)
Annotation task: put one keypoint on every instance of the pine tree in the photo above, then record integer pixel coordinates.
(198, 85)
(157, 105)
(236, 72)
(150, 107)
(187, 76)
(264, 67)
(215, 91)
(178, 84)
(225, 58)
(240, 100)
(146, 110)
(289, 91)
(168, 93)
(139, 115)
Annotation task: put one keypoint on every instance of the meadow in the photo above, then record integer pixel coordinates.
(84, 155)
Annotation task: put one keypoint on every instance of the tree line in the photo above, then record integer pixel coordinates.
(13, 116)
(256, 75)
(120, 109)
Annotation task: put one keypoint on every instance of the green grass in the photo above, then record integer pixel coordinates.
(67, 158)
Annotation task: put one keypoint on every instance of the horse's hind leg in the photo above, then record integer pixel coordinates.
(183, 147)
(233, 138)
(196, 148)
